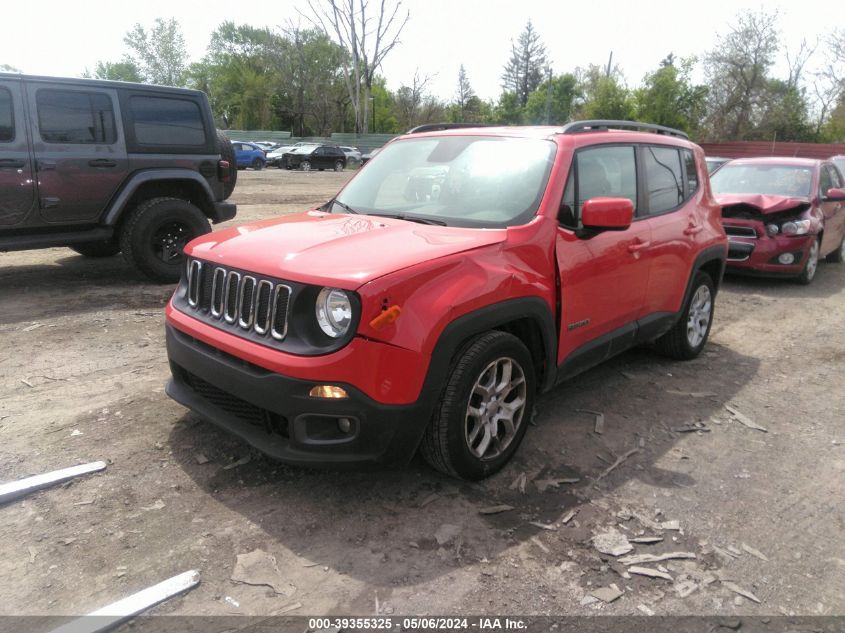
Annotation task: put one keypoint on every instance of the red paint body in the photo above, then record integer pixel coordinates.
(827, 218)
(437, 274)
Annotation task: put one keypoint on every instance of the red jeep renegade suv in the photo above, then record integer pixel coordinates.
(458, 275)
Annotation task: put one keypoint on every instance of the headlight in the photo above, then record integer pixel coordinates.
(334, 312)
(772, 229)
(796, 227)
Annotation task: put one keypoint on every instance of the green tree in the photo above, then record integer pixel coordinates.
(604, 95)
(508, 110)
(159, 53)
(737, 73)
(524, 70)
(124, 70)
(8, 69)
(564, 92)
(784, 114)
(668, 97)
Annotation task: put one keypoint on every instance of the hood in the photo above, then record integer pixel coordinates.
(761, 203)
(333, 249)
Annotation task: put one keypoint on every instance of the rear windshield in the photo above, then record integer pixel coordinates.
(776, 180)
(469, 181)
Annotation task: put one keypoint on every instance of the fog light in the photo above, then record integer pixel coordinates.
(786, 258)
(344, 424)
(327, 391)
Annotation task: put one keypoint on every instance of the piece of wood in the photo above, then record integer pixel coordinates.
(16, 489)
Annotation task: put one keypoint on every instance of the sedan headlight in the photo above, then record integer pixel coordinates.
(796, 227)
(334, 311)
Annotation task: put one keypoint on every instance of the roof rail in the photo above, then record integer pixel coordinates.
(604, 125)
(437, 127)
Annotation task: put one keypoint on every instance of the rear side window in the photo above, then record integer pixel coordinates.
(692, 172)
(7, 117)
(163, 121)
(73, 117)
(665, 183)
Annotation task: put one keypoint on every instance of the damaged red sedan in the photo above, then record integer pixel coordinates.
(781, 215)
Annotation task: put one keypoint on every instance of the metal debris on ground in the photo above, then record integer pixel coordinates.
(112, 615)
(569, 516)
(612, 542)
(744, 419)
(259, 568)
(16, 489)
(739, 590)
(543, 526)
(638, 559)
(539, 544)
(599, 424)
(646, 540)
(243, 460)
(429, 499)
(647, 571)
(495, 509)
(201, 459)
(755, 552)
(691, 427)
(519, 483)
(685, 588)
(607, 594)
(545, 484)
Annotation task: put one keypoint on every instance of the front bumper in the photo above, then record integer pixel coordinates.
(759, 255)
(275, 414)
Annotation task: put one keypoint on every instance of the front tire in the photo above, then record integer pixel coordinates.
(688, 336)
(153, 237)
(108, 248)
(257, 164)
(484, 409)
(811, 266)
(305, 165)
(338, 166)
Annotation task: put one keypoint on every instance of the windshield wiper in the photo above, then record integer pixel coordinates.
(344, 206)
(411, 218)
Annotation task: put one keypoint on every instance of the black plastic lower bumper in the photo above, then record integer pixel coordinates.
(275, 414)
(223, 211)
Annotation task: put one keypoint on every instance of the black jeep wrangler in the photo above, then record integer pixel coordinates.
(104, 167)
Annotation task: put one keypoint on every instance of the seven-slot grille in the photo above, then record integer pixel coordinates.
(239, 299)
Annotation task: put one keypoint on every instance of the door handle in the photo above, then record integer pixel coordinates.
(637, 247)
(692, 229)
(102, 162)
(11, 163)
(45, 165)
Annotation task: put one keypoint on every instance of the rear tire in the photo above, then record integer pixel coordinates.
(305, 165)
(154, 236)
(227, 153)
(484, 409)
(257, 164)
(338, 166)
(108, 248)
(688, 336)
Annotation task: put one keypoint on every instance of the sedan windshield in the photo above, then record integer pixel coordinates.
(468, 181)
(777, 180)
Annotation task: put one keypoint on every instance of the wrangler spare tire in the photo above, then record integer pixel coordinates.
(227, 152)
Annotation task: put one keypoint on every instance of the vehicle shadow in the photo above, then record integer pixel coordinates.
(74, 284)
(395, 528)
(829, 280)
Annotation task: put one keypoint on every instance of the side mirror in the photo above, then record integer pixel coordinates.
(607, 214)
(835, 195)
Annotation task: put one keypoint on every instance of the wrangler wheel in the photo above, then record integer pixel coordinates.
(485, 407)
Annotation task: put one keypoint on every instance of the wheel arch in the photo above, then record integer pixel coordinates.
(173, 183)
(712, 261)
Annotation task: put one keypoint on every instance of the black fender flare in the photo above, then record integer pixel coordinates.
(118, 204)
(718, 252)
(491, 317)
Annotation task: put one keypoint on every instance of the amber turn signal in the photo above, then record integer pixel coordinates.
(327, 391)
(386, 318)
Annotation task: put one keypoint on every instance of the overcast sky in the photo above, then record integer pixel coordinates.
(61, 37)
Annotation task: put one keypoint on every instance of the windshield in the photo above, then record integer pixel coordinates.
(776, 180)
(468, 181)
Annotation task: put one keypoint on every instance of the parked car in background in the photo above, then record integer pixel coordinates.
(366, 157)
(275, 157)
(249, 155)
(429, 303)
(267, 146)
(715, 162)
(781, 215)
(319, 157)
(104, 167)
(353, 154)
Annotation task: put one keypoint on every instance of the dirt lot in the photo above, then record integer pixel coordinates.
(82, 369)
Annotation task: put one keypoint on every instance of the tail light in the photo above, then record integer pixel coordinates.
(224, 172)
